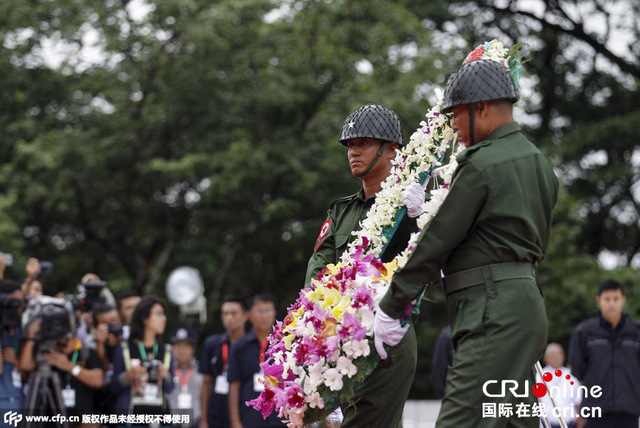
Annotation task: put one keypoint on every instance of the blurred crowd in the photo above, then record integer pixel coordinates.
(93, 353)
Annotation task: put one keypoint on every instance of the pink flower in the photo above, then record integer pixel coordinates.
(264, 403)
(362, 297)
(351, 328)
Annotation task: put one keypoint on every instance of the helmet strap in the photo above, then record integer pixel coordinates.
(375, 160)
(471, 136)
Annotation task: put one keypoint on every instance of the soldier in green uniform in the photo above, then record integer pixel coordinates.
(487, 238)
(372, 134)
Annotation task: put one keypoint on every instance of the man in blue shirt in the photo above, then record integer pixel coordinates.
(245, 358)
(214, 364)
(10, 381)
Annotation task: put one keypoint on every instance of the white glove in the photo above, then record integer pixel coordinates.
(414, 198)
(387, 330)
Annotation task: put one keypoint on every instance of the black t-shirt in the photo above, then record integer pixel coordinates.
(85, 396)
(159, 356)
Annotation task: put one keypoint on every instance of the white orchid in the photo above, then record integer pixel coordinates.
(333, 379)
(346, 367)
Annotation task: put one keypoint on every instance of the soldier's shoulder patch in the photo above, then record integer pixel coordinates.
(324, 231)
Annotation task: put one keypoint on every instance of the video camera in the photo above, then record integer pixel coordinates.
(89, 295)
(9, 312)
(58, 320)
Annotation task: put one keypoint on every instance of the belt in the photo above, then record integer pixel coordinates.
(499, 272)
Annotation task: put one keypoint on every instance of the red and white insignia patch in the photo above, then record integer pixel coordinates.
(324, 231)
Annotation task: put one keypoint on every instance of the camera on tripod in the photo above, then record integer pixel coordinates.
(57, 318)
(57, 326)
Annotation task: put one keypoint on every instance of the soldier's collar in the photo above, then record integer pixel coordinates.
(360, 195)
(503, 131)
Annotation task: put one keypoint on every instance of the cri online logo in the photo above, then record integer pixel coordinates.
(12, 418)
(539, 389)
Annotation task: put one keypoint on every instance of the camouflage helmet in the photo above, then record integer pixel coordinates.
(479, 80)
(372, 121)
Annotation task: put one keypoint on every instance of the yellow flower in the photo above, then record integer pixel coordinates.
(329, 329)
(391, 267)
(288, 340)
(341, 307)
(272, 381)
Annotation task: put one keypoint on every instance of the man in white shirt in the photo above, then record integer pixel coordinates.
(565, 394)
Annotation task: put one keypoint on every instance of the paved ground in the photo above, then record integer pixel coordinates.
(420, 413)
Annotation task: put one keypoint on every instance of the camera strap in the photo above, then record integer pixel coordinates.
(167, 356)
(126, 355)
(143, 352)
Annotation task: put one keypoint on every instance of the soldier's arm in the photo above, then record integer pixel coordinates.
(447, 229)
(324, 250)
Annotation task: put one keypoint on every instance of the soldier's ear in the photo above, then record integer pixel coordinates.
(482, 108)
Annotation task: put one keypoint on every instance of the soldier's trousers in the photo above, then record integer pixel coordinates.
(380, 400)
(499, 331)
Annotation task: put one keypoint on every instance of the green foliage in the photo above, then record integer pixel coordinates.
(204, 134)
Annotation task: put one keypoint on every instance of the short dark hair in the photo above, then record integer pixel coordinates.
(609, 284)
(237, 299)
(262, 297)
(100, 309)
(141, 313)
(125, 295)
(8, 286)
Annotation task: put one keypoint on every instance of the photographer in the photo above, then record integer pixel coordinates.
(78, 368)
(127, 302)
(10, 378)
(143, 366)
(92, 291)
(108, 332)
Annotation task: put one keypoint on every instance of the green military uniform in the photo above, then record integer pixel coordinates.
(379, 401)
(487, 238)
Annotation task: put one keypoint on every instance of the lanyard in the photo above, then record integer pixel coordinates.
(74, 358)
(263, 348)
(143, 352)
(184, 381)
(225, 355)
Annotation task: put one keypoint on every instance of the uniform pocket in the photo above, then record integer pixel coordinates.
(467, 312)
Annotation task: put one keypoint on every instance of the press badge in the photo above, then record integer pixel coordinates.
(16, 379)
(69, 397)
(185, 400)
(222, 384)
(258, 378)
(151, 394)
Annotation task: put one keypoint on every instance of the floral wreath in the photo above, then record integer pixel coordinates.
(321, 351)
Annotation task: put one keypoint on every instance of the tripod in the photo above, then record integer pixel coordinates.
(45, 394)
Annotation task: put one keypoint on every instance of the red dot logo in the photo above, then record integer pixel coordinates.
(539, 390)
(558, 372)
(547, 377)
(568, 377)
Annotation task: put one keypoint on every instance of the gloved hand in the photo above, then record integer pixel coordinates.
(387, 330)
(414, 198)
